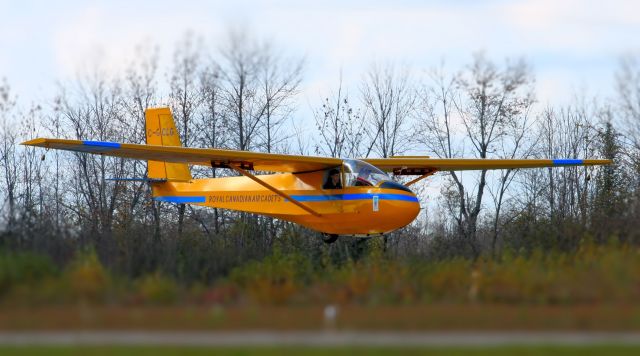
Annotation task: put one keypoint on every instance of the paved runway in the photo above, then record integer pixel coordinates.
(322, 338)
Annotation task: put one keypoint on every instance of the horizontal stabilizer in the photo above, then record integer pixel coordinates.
(148, 180)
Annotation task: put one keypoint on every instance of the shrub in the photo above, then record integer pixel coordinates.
(87, 278)
(23, 268)
(275, 279)
(156, 288)
(448, 281)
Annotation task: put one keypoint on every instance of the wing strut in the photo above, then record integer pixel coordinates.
(428, 173)
(273, 189)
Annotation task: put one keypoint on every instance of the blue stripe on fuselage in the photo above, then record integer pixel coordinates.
(360, 196)
(182, 200)
(566, 162)
(302, 198)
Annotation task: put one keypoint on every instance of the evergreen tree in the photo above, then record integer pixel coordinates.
(610, 192)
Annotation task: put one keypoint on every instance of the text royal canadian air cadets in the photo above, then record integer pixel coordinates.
(251, 198)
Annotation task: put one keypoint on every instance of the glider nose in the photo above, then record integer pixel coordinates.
(406, 208)
(404, 204)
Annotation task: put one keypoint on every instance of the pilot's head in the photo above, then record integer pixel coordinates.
(335, 176)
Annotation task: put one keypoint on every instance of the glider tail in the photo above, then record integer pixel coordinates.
(161, 131)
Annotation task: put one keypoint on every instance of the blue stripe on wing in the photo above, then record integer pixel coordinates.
(567, 162)
(97, 146)
(104, 144)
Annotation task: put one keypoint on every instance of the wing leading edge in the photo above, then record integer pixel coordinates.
(294, 163)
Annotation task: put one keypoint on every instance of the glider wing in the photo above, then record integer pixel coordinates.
(196, 156)
(423, 165)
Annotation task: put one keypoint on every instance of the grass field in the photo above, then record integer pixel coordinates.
(334, 351)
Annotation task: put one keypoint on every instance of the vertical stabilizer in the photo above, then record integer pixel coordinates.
(161, 131)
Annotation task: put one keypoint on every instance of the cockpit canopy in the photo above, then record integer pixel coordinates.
(359, 173)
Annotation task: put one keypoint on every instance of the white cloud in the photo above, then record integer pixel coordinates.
(105, 37)
(76, 42)
(573, 25)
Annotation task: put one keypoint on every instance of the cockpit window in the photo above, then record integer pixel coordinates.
(358, 173)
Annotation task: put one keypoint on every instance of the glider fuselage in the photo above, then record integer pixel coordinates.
(353, 210)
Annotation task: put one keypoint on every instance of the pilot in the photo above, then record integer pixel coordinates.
(363, 179)
(333, 180)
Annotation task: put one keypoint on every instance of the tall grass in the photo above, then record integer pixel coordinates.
(593, 274)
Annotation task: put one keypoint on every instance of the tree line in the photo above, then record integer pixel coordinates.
(244, 95)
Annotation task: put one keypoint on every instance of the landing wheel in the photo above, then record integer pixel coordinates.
(329, 238)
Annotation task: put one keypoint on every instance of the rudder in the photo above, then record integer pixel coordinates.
(161, 131)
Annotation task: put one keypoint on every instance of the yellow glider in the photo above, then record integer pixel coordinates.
(331, 195)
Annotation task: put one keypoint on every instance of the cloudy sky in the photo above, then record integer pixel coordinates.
(573, 45)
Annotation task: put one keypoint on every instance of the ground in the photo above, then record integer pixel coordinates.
(438, 317)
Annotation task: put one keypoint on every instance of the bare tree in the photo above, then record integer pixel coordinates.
(210, 121)
(34, 190)
(519, 142)
(241, 61)
(486, 100)
(389, 101)
(568, 132)
(9, 161)
(628, 105)
(557, 201)
(339, 126)
(53, 125)
(279, 81)
(435, 118)
(183, 82)
(140, 90)
(93, 114)
(185, 95)
(257, 87)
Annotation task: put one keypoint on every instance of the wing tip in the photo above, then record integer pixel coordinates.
(581, 162)
(598, 161)
(40, 142)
